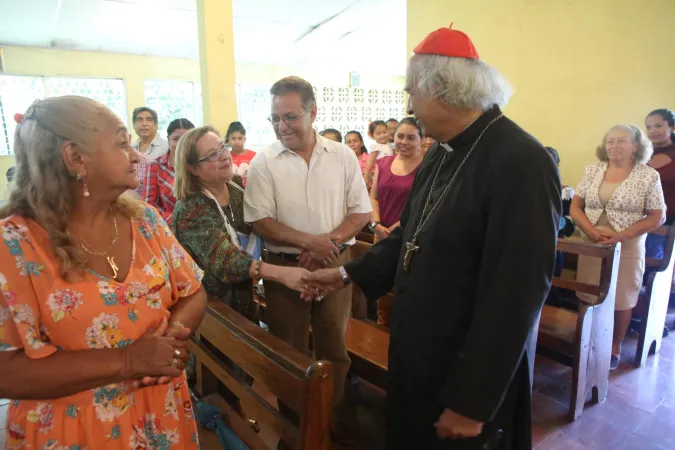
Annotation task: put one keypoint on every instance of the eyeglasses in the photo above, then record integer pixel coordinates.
(213, 157)
(289, 119)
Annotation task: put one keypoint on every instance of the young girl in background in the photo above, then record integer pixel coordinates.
(354, 140)
(378, 132)
(241, 158)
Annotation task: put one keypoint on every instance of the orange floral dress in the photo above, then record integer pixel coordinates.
(42, 314)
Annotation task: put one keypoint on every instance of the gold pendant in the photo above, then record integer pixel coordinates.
(410, 250)
(113, 266)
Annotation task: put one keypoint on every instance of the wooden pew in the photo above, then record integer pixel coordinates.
(359, 302)
(304, 385)
(365, 237)
(368, 346)
(652, 306)
(583, 339)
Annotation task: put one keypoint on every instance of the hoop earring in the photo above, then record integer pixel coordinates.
(85, 188)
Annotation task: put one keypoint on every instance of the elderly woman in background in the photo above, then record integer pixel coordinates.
(620, 199)
(98, 296)
(157, 185)
(208, 216)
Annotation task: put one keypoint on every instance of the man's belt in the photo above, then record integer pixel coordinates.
(294, 256)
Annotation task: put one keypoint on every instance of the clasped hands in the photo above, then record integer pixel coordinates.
(320, 251)
(159, 356)
(606, 237)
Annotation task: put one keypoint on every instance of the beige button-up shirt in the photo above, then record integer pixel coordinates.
(314, 199)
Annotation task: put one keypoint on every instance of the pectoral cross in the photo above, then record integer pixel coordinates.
(410, 250)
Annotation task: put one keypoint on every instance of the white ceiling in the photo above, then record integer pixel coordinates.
(360, 35)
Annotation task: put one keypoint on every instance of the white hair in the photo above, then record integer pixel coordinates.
(644, 151)
(459, 82)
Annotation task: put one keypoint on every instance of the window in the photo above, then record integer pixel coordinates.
(174, 100)
(18, 92)
(253, 106)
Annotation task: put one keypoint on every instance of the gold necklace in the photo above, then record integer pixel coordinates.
(106, 254)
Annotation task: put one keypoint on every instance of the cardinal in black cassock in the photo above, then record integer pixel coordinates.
(470, 265)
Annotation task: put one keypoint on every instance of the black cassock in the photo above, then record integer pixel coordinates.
(462, 316)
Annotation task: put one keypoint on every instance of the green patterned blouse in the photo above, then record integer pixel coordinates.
(200, 229)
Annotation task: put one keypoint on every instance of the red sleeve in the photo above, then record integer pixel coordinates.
(149, 187)
(667, 172)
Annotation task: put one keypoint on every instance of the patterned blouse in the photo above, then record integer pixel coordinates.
(639, 192)
(200, 228)
(43, 314)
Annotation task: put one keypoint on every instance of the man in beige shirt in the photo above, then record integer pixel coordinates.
(306, 197)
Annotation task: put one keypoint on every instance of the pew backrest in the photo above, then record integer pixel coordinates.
(303, 384)
(609, 254)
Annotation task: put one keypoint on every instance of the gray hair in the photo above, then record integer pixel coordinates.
(458, 82)
(42, 187)
(295, 84)
(644, 151)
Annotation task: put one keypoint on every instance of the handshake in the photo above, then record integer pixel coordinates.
(319, 283)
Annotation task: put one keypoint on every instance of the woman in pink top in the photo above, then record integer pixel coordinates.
(354, 140)
(394, 177)
(393, 181)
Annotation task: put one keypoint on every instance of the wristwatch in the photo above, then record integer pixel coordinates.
(372, 225)
(344, 275)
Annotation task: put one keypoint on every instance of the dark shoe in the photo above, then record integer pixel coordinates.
(614, 362)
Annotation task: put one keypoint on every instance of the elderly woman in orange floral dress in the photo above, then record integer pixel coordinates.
(98, 298)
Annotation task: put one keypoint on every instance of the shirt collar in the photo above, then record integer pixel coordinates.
(156, 141)
(471, 133)
(322, 145)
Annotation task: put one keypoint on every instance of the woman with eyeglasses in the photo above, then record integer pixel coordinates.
(207, 217)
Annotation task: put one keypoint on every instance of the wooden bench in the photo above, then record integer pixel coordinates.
(582, 339)
(368, 347)
(365, 237)
(303, 384)
(652, 306)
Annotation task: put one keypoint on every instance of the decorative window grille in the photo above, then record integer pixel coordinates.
(342, 108)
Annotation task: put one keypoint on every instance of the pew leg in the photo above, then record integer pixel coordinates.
(580, 366)
(653, 318)
(644, 342)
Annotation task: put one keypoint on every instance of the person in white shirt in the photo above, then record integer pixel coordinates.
(149, 141)
(379, 132)
(307, 198)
